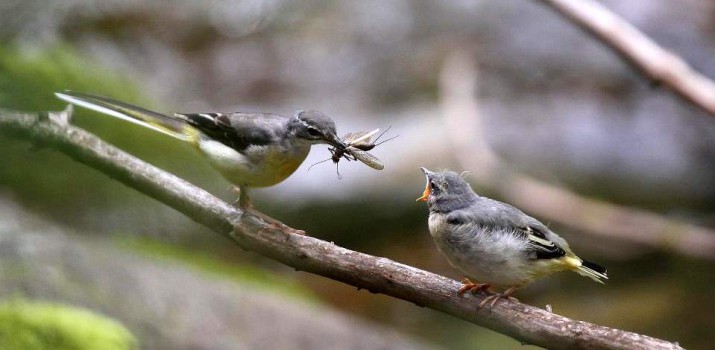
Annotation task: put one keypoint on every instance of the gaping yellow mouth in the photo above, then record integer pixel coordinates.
(425, 194)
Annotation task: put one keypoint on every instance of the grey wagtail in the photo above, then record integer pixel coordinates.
(492, 241)
(248, 149)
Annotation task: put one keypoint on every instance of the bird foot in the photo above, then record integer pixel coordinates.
(469, 286)
(273, 223)
(492, 299)
(285, 228)
(244, 203)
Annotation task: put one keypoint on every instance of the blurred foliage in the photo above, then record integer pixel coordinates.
(217, 267)
(28, 81)
(359, 224)
(30, 325)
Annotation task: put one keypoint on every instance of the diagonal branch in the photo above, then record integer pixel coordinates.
(657, 63)
(378, 275)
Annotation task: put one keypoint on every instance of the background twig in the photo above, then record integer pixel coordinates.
(660, 65)
(378, 275)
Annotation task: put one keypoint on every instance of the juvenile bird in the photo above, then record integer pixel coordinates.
(493, 242)
(248, 149)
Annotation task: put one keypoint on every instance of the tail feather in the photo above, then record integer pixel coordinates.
(171, 126)
(592, 270)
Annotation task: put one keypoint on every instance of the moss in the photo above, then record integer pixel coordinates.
(213, 266)
(29, 325)
(28, 80)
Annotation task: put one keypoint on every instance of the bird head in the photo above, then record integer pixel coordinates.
(314, 127)
(446, 190)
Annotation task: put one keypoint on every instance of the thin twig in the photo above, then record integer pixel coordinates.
(460, 108)
(659, 64)
(378, 275)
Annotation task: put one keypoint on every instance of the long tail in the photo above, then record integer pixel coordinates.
(172, 126)
(591, 270)
(594, 271)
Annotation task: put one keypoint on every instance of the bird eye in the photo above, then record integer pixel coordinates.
(313, 131)
(432, 185)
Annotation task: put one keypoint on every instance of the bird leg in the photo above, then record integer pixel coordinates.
(492, 299)
(244, 203)
(469, 286)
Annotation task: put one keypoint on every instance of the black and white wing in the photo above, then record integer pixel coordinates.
(540, 244)
(238, 130)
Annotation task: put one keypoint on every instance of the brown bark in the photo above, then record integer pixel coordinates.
(525, 323)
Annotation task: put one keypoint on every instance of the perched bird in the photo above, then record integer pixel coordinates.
(493, 242)
(248, 149)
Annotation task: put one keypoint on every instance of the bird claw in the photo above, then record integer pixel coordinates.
(272, 223)
(492, 299)
(469, 286)
(283, 228)
(295, 231)
(244, 203)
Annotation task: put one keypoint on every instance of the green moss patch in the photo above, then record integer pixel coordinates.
(29, 325)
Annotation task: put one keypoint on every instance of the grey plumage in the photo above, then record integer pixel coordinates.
(494, 242)
(238, 130)
(248, 149)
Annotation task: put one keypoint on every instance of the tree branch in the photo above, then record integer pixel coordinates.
(378, 275)
(660, 65)
(460, 110)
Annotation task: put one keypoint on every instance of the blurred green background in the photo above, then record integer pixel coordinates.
(555, 105)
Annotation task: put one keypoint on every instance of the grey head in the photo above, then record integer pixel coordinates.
(446, 191)
(315, 127)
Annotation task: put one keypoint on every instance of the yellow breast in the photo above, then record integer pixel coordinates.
(258, 166)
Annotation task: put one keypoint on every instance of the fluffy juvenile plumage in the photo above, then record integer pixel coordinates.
(493, 242)
(248, 149)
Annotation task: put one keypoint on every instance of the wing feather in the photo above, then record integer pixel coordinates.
(238, 130)
(540, 245)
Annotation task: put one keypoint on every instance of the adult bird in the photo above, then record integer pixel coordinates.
(494, 242)
(248, 149)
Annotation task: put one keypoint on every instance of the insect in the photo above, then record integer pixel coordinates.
(356, 146)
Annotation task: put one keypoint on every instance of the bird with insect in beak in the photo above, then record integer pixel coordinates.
(356, 144)
(494, 243)
(248, 149)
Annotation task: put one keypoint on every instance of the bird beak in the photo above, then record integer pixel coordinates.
(335, 141)
(426, 193)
